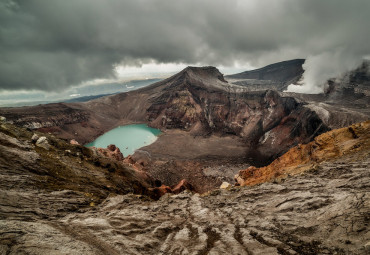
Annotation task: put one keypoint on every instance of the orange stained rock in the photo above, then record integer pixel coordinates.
(327, 146)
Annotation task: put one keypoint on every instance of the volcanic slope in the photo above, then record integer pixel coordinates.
(346, 99)
(54, 201)
(276, 76)
(211, 128)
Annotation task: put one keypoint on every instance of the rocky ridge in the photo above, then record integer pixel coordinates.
(277, 76)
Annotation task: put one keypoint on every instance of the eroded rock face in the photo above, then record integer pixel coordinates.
(269, 123)
(49, 115)
(330, 145)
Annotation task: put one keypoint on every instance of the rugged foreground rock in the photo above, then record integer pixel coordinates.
(321, 212)
(52, 204)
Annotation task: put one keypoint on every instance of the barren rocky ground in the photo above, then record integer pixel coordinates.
(206, 162)
(49, 209)
(324, 211)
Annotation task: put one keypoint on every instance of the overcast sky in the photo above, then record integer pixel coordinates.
(52, 45)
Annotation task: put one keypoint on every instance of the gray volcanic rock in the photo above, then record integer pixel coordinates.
(353, 82)
(352, 86)
(324, 211)
(44, 116)
(346, 99)
(275, 76)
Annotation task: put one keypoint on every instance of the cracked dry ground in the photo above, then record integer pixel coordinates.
(324, 211)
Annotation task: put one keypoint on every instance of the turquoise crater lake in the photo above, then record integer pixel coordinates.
(127, 138)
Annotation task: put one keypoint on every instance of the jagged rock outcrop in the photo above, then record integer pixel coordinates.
(111, 151)
(325, 147)
(276, 76)
(181, 186)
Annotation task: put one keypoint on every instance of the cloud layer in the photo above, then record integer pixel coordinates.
(51, 45)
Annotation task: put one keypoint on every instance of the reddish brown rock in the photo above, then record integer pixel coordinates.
(175, 189)
(112, 152)
(112, 147)
(160, 191)
(325, 147)
(129, 160)
(181, 186)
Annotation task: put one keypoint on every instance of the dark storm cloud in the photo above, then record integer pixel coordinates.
(50, 45)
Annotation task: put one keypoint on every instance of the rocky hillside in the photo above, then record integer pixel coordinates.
(57, 198)
(35, 161)
(198, 100)
(328, 146)
(276, 76)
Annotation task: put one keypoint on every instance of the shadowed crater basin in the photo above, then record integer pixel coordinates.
(127, 138)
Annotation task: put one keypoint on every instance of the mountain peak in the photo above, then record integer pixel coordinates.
(204, 72)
